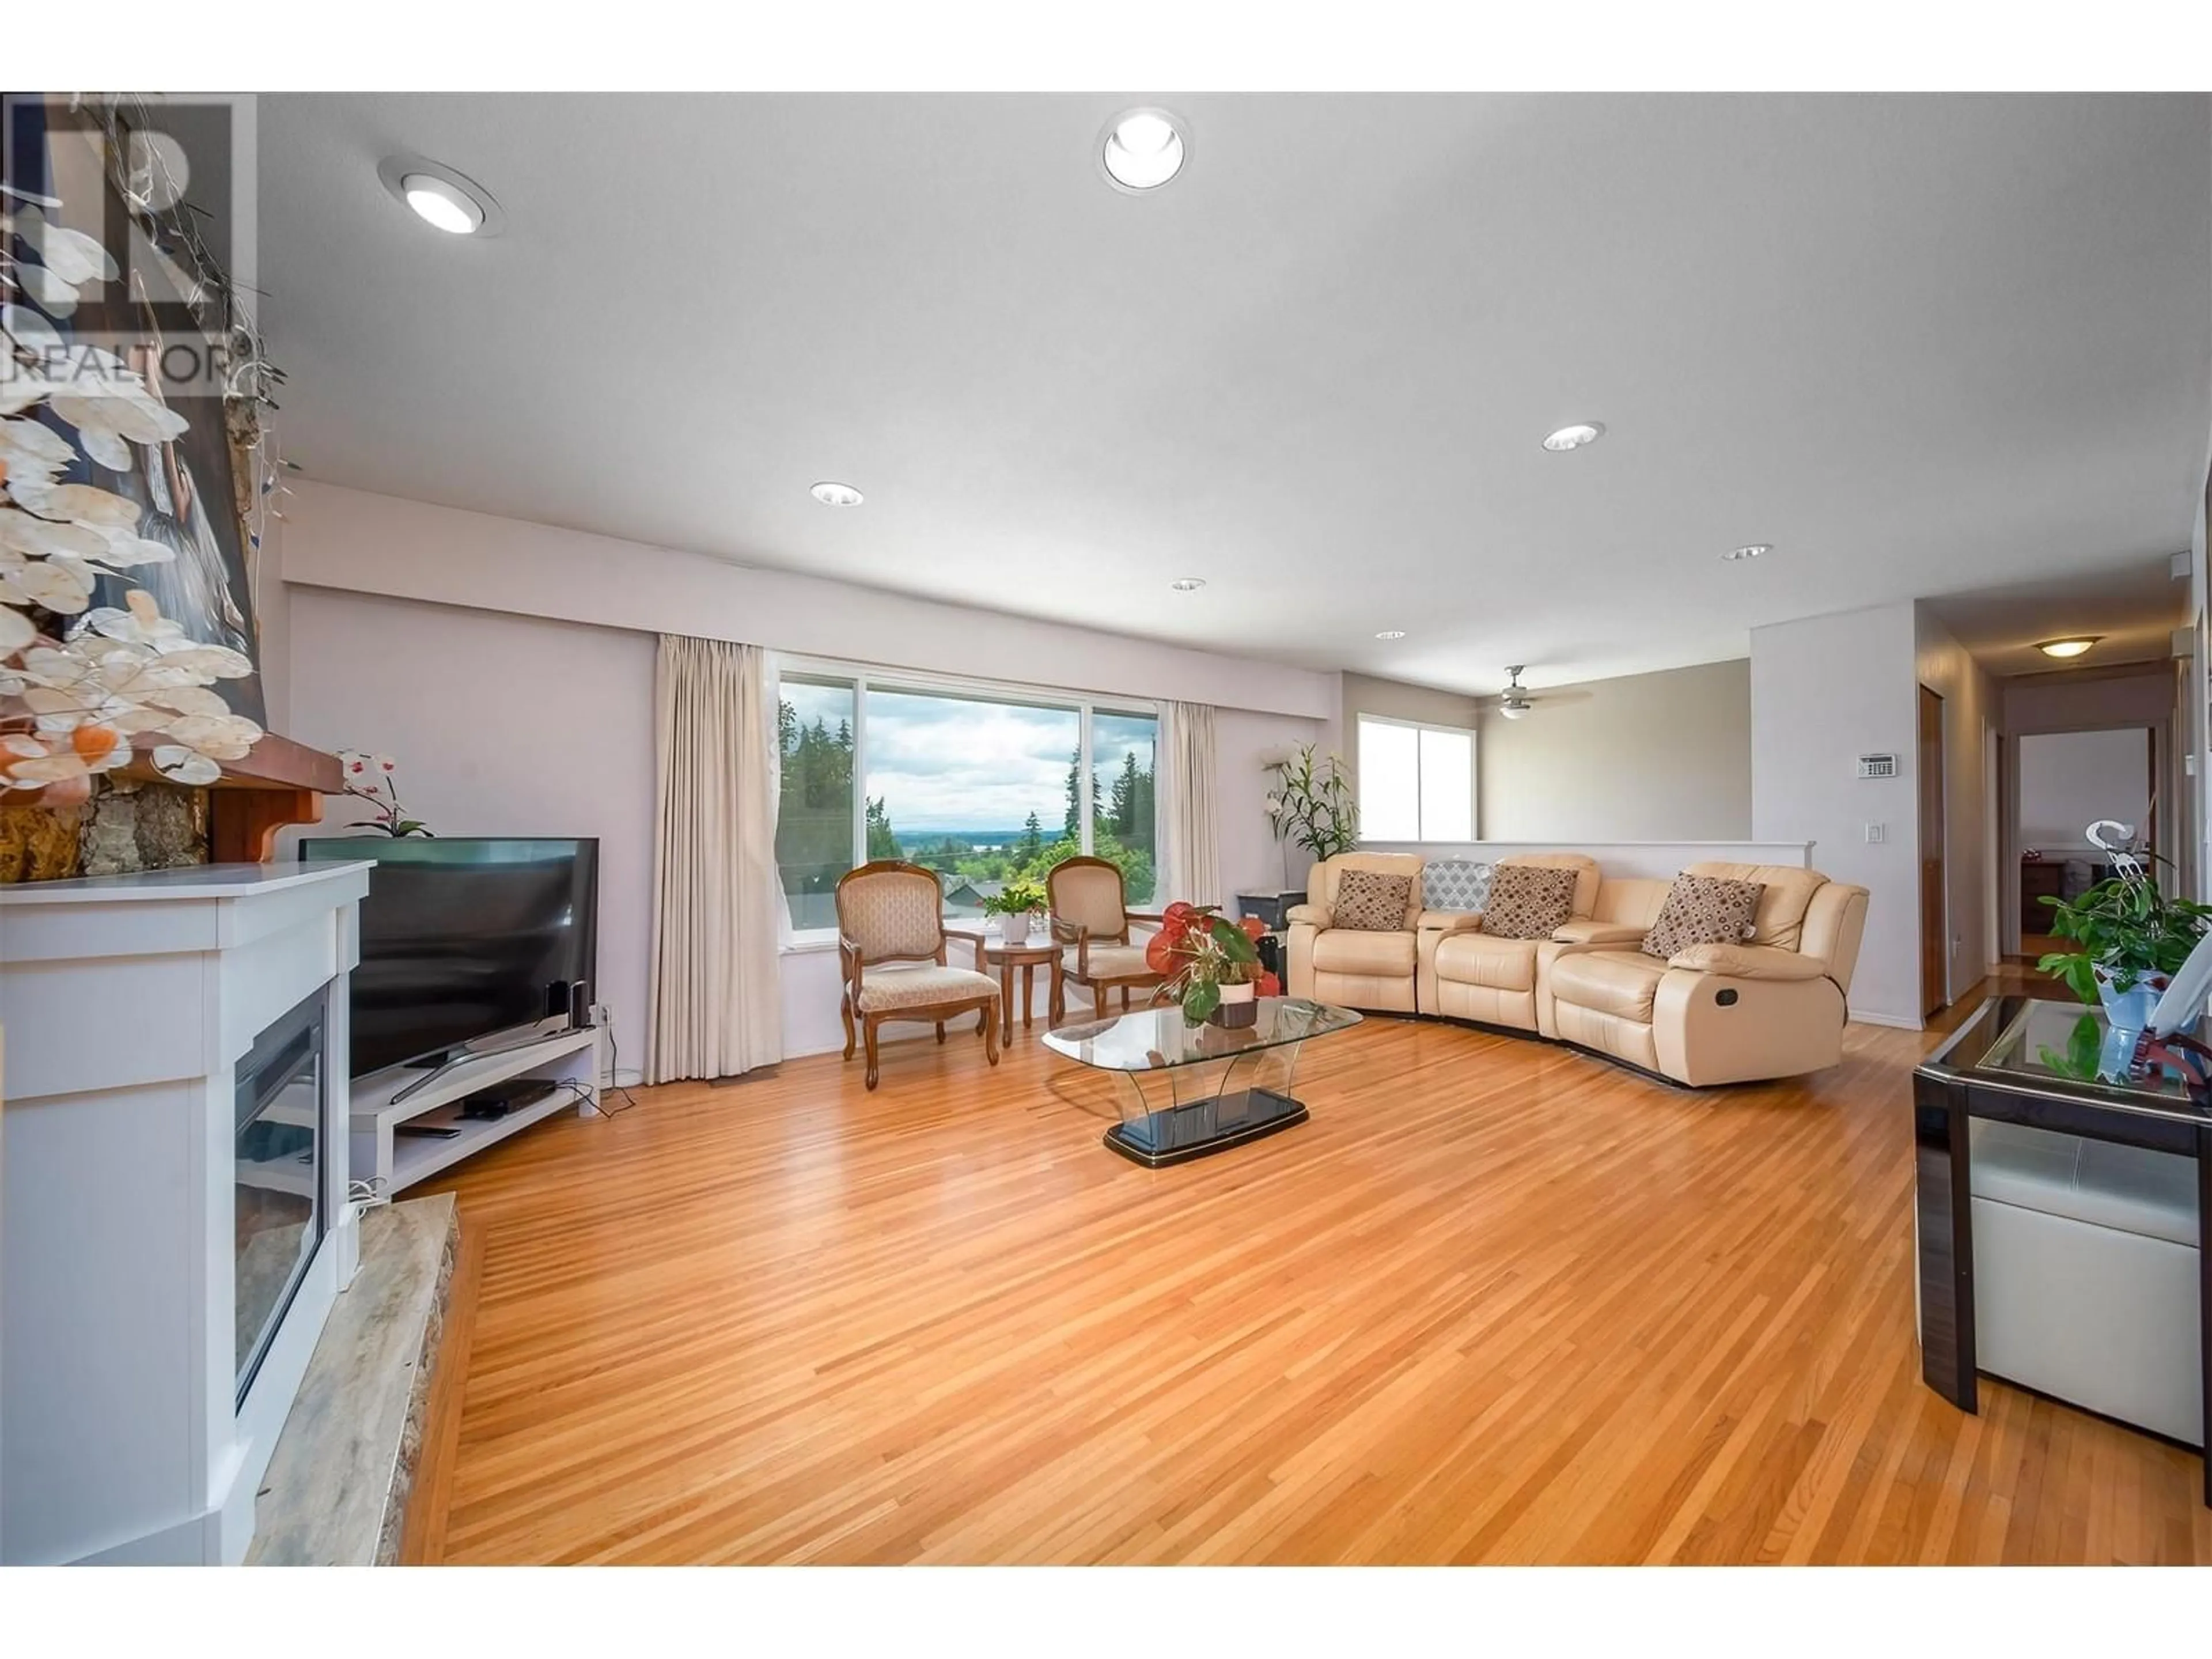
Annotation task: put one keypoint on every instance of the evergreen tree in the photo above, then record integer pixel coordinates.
(1072, 827)
(883, 840)
(1032, 841)
(1123, 812)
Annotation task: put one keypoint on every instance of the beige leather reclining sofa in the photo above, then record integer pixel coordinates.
(1771, 1006)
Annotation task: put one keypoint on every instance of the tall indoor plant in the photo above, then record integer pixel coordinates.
(1311, 805)
(2132, 940)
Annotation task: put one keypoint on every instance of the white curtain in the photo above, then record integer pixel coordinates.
(717, 1008)
(1190, 838)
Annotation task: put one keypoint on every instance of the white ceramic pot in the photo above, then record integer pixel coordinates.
(1014, 930)
(1238, 1007)
(2129, 1011)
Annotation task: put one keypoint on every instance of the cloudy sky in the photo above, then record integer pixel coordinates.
(950, 763)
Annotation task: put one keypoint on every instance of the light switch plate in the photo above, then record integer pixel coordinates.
(1877, 833)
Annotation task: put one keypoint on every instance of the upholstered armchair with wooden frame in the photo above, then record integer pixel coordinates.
(1091, 923)
(890, 911)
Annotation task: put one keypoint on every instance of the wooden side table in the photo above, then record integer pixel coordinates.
(1039, 953)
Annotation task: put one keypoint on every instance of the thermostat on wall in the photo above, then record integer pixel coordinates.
(1877, 766)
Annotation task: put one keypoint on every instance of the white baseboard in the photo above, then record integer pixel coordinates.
(1894, 1022)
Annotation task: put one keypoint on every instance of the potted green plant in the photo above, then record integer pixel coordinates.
(2132, 938)
(1213, 965)
(1311, 805)
(1014, 904)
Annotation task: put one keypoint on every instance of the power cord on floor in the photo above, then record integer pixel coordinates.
(585, 1095)
(614, 1069)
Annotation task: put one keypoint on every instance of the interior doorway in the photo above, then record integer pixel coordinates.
(2066, 781)
(1935, 902)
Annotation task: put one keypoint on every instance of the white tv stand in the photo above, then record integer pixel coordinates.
(567, 1057)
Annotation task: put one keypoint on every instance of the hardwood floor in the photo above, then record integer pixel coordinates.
(1498, 1302)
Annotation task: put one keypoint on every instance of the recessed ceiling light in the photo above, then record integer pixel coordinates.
(1748, 551)
(451, 202)
(440, 204)
(1575, 436)
(2069, 648)
(1142, 148)
(1391, 633)
(831, 494)
(1188, 584)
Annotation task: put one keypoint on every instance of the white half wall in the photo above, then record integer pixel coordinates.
(370, 544)
(1660, 860)
(1824, 691)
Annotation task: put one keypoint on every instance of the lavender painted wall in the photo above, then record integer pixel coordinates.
(502, 726)
(513, 725)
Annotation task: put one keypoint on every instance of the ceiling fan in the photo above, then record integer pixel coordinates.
(1516, 702)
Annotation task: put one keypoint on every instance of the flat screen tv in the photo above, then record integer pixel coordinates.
(462, 936)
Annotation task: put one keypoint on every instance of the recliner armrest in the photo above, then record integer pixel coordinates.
(1450, 922)
(1749, 962)
(1313, 915)
(1598, 932)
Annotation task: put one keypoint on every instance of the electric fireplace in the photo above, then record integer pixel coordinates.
(277, 1208)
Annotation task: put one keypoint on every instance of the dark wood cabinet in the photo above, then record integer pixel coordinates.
(2038, 879)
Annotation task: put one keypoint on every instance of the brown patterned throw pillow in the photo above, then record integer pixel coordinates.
(1703, 910)
(1369, 901)
(1527, 900)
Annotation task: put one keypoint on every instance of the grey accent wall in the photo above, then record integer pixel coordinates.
(1662, 757)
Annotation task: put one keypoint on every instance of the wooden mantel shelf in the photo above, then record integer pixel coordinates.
(275, 763)
(279, 783)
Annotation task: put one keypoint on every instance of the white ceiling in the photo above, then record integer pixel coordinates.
(2132, 607)
(1921, 345)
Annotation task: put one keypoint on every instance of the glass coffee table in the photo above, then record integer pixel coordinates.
(1190, 1090)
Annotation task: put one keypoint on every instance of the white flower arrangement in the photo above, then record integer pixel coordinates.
(84, 690)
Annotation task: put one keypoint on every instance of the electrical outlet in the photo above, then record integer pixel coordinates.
(1876, 834)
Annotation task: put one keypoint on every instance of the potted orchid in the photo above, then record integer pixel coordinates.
(369, 777)
(1212, 964)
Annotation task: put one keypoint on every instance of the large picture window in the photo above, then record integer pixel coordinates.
(1416, 783)
(980, 786)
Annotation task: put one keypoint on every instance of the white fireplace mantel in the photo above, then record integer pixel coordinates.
(127, 1003)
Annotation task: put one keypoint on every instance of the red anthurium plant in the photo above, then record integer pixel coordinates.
(1201, 951)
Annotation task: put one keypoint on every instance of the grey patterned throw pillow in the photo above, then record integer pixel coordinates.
(1454, 884)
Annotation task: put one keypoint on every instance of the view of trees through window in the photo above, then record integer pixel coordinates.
(980, 790)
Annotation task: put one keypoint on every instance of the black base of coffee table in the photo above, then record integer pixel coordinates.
(1183, 1132)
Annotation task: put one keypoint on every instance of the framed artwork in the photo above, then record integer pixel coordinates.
(145, 309)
